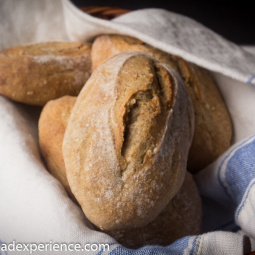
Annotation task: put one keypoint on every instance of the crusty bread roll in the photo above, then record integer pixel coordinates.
(105, 46)
(36, 73)
(127, 141)
(181, 217)
(52, 125)
(213, 127)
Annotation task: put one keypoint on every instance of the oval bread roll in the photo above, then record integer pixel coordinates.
(181, 217)
(52, 125)
(213, 126)
(34, 74)
(127, 141)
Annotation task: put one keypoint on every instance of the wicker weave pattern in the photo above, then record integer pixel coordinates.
(106, 12)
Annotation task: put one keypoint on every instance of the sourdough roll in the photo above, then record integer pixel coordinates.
(127, 141)
(36, 73)
(52, 125)
(213, 127)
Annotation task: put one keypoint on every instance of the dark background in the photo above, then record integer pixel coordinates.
(233, 20)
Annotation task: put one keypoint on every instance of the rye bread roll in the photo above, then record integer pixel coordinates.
(181, 217)
(213, 126)
(34, 74)
(127, 141)
(52, 125)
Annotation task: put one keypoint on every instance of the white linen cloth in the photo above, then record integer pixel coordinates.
(34, 207)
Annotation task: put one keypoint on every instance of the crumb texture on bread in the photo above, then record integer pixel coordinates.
(146, 102)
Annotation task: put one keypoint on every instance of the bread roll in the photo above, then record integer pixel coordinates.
(181, 217)
(213, 127)
(34, 74)
(127, 141)
(52, 125)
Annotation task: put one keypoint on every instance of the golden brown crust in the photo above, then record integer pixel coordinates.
(121, 176)
(52, 125)
(106, 46)
(181, 217)
(213, 127)
(36, 73)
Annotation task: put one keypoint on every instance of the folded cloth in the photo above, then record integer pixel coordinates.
(35, 208)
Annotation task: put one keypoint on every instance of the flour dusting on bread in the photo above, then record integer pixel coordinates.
(130, 129)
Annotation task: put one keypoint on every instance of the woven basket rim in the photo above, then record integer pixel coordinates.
(104, 12)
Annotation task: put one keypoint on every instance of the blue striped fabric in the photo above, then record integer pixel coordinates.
(251, 79)
(177, 248)
(239, 169)
(235, 173)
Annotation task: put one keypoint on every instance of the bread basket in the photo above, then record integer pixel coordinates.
(75, 26)
(108, 13)
(104, 12)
